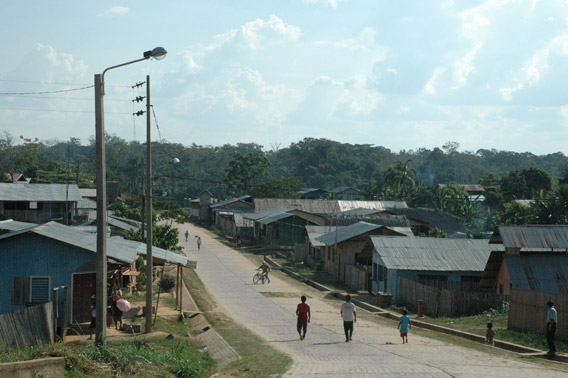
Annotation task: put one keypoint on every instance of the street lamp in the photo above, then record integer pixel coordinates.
(101, 289)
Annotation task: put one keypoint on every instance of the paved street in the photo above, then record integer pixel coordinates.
(375, 351)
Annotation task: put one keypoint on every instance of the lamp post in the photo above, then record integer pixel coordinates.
(101, 283)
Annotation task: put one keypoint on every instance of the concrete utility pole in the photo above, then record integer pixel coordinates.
(101, 260)
(149, 262)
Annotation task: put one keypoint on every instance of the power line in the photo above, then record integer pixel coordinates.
(55, 83)
(70, 98)
(46, 92)
(59, 111)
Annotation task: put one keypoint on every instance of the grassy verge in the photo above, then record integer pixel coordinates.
(478, 323)
(258, 358)
(141, 356)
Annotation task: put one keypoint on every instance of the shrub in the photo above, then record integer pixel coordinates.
(167, 284)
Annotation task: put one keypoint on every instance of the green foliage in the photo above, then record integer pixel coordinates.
(167, 283)
(286, 187)
(247, 170)
(436, 233)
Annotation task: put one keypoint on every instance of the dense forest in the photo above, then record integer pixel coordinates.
(231, 170)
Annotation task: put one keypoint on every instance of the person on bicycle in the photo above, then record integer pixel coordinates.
(265, 269)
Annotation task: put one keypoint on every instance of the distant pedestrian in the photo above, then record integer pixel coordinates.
(116, 312)
(93, 324)
(198, 243)
(404, 325)
(303, 314)
(551, 318)
(186, 235)
(490, 334)
(349, 315)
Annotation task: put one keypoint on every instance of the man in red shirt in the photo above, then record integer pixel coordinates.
(303, 313)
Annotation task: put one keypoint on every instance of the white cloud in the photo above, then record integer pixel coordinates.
(364, 41)
(255, 33)
(432, 84)
(464, 66)
(115, 11)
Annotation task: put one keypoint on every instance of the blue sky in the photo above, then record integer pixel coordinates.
(404, 75)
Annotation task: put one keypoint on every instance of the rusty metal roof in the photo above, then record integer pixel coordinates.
(534, 237)
(348, 232)
(433, 254)
(540, 272)
(315, 206)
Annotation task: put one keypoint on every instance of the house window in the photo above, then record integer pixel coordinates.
(39, 289)
(33, 205)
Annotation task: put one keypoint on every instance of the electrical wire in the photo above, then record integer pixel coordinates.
(45, 92)
(156, 122)
(59, 111)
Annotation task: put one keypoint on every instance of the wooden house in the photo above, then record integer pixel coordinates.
(531, 258)
(436, 262)
(38, 203)
(348, 252)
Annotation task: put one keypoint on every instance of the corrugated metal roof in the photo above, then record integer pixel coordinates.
(87, 203)
(531, 237)
(315, 206)
(265, 213)
(541, 272)
(229, 201)
(341, 189)
(274, 218)
(12, 225)
(315, 232)
(88, 192)
(358, 212)
(40, 192)
(348, 232)
(433, 254)
(240, 221)
(77, 238)
(157, 253)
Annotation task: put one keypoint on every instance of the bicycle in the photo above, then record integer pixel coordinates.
(259, 277)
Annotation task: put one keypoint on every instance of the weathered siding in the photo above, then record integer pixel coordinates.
(27, 327)
(32, 255)
(527, 312)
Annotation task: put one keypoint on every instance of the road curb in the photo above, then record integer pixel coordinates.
(520, 349)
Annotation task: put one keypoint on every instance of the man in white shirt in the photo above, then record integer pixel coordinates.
(551, 318)
(349, 316)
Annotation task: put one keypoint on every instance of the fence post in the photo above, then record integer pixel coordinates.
(65, 314)
(420, 309)
(181, 289)
(55, 312)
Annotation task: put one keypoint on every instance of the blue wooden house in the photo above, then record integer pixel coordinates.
(39, 258)
(433, 261)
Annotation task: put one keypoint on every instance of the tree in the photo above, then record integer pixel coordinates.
(400, 179)
(247, 170)
(286, 187)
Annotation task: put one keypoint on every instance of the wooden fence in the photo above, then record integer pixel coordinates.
(356, 278)
(527, 312)
(442, 302)
(28, 327)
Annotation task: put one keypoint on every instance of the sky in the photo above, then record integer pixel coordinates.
(404, 75)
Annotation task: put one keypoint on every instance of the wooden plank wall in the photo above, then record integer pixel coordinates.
(356, 278)
(27, 327)
(527, 312)
(443, 302)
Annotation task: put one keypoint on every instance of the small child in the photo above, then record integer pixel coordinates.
(489, 334)
(404, 325)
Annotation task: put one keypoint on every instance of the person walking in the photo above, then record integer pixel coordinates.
(198, 243)
(551, 318)
(349, 315)
(186, 235)
(303, 314)
(404, 325)
(490, 334)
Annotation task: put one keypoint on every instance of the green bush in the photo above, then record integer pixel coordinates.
(167, 284)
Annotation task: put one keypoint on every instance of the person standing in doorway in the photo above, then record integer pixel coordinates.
(303, 314)
(349, 316)
(186, 235)
(551, 318)
(198, 243)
